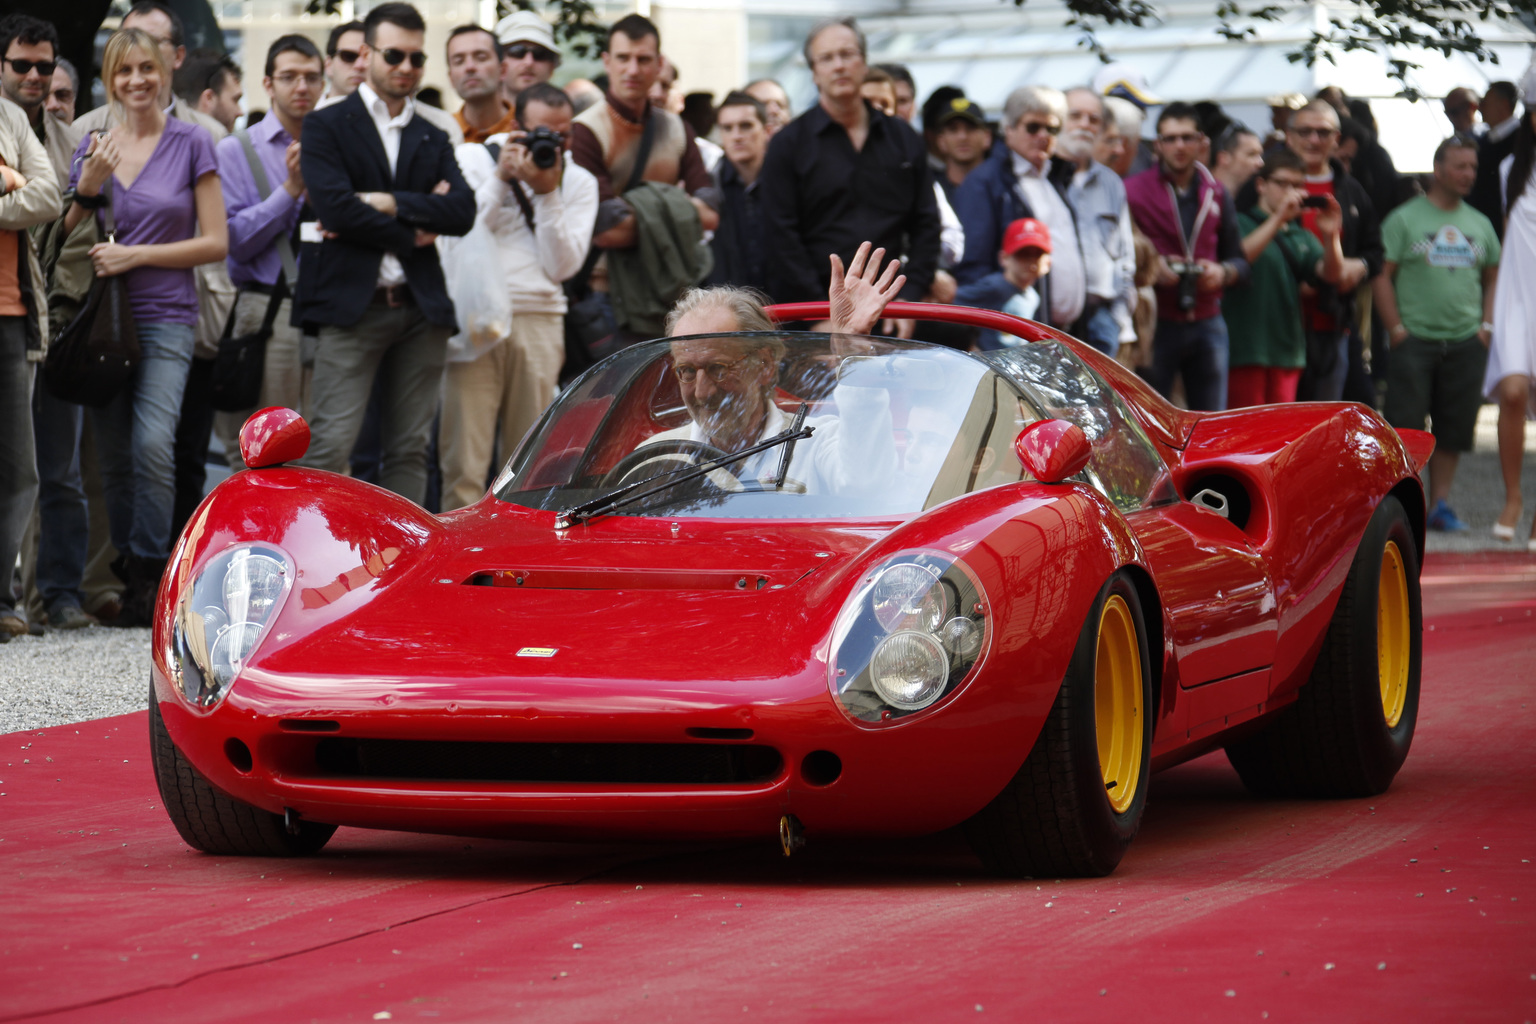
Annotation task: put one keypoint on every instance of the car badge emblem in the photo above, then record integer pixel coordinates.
(536, 652)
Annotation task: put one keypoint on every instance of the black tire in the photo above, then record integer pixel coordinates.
(214, 823)
(1055, 817)
(1336, 740)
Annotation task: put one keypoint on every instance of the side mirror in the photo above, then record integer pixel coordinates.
(1052, 450)
(272, 437)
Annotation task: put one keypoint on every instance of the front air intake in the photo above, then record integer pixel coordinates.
(600, 763)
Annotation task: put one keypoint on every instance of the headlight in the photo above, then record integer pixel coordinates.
(910, 636)
(222, 617)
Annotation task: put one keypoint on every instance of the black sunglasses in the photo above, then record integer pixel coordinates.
(44, 67)
(393, 57)
(347, 56)
(517, 51)
(1036, 127)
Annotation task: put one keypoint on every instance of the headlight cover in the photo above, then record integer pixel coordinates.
(223, 616)
(910, 636)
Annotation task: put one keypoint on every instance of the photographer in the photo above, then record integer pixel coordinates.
(1189, 218)
(540, 208)
(1269, 343)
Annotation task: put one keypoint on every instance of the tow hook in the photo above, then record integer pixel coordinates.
(791, 834)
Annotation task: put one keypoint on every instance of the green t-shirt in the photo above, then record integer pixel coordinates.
(1264, 315)
(1440, 256)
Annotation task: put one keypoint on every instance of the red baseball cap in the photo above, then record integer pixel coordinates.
(1026, 233)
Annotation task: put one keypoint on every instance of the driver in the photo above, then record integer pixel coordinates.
(727, 384)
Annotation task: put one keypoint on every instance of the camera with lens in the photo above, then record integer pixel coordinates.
(1189, 283)
(544, 145)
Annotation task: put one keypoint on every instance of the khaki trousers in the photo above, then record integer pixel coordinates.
(284, 381)
(513, 382)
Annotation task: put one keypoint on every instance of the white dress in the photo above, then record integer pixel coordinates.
(1513, 349)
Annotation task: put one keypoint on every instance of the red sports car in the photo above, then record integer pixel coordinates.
(802, 585)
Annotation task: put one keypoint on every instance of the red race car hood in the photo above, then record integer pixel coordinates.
(501, 602)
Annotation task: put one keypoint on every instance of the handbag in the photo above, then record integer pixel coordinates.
(235, 384)
(96, 355)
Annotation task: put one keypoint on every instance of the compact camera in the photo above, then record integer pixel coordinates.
(1189, 283)
(544, 145)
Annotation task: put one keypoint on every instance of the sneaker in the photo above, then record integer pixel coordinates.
(70, 616)
(1443, 519)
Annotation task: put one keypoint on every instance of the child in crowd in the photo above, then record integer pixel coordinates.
(1025, 258)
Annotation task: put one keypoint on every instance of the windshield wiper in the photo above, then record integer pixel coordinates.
(789, 450)
(630, 493)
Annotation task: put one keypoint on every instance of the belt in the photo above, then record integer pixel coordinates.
(394, 296)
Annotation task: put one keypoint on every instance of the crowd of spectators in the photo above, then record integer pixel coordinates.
(347, 219)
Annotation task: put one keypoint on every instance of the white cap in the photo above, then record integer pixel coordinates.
(1126, 82)
(525, 27)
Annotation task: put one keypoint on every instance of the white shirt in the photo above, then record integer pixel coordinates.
(850, 453)
(534, 261)
(1068, 281)
(1503, 130)
(390, 270)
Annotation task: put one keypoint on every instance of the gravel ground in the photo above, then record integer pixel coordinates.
(72, 676)
(96, 672)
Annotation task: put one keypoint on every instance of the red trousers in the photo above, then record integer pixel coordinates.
(1261, 385)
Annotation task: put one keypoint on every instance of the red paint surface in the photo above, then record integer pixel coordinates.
(272, 436)
(106, 916)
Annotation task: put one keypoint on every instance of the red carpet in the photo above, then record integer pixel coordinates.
(1417, 906)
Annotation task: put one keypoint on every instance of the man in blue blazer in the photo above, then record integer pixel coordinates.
(383, 184)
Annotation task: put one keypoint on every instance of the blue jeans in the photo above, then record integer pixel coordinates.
(136, 439)
(1197, 350)
(1102, 332)
(18, 461)
(63, 540)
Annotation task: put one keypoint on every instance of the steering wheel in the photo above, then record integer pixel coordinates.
(654, 460)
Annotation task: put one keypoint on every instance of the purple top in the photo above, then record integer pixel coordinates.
(159, 207)
(256, 223)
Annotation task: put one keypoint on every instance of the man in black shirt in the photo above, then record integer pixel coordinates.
(740, 256)
(841, 173)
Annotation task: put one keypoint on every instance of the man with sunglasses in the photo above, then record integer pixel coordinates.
(1192, 223)
(1312, 133)
(383, 183)
(529, 55)
(1026, 179)
(344, 68)
(29, 50)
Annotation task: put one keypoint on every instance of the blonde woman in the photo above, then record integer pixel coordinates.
(169, 217)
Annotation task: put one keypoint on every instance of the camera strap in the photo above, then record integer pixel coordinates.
(1178, 219)
(516, 188)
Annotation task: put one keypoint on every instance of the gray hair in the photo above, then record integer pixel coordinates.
(745, 304)
(1034, 99)
(1127, 116)
(826, 23)
(74, 75)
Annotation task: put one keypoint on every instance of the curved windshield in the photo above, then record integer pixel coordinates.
(821, 426)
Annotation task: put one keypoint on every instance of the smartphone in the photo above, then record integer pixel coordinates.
(1315, 203)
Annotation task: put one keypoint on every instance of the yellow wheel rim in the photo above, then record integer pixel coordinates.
(1393, 644)
(1117, 703)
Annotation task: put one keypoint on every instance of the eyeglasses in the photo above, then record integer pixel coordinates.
(1313, 133)
(718, 372)
(393, 57)
(1036, 127)
(347, 56)
(291, 78)
(1185, 139)
(517, 51)
(44, 67)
